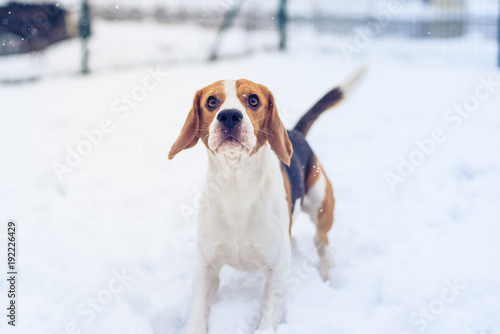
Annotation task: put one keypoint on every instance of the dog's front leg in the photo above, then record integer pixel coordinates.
(274, 301)
(205, 286)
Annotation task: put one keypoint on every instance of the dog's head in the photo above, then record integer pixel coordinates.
(234, 118)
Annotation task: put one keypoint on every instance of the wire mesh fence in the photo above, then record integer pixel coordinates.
(132, 32)
(446, 29)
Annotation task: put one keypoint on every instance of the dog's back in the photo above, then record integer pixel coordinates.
(310, 188)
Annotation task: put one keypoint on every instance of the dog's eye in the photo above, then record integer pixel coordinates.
(253, 100)
(211, 102)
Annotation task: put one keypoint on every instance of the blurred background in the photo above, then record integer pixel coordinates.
(94, 93)
(41, 38)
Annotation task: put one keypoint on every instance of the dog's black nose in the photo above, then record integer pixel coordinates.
(230, 117)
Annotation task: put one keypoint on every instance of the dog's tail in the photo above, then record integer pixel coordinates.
(331, 99)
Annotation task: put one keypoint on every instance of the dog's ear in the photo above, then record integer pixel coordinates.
(189, 133)
(276, 133)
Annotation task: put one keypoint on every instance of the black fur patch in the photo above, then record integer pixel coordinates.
(300, 165)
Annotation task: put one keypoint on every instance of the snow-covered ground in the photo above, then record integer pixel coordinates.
(412, 153)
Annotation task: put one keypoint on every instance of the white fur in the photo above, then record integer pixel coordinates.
(247, 137)
(312, 206)
(314, 198)
(245, 225)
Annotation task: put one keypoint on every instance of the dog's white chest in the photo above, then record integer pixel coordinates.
(244, 255)
(246, 224)
(248, 239)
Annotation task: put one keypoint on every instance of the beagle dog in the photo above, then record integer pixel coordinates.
(271, 175)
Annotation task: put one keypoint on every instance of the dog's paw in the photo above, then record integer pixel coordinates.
(326, 263)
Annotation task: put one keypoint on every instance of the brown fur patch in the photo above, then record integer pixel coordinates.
(199, 118)
(314, 173)
(325, 214)
(206, 115)
(288, 191)
(265, 119)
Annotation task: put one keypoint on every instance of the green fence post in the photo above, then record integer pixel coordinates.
(84, 29)
(498, 33)
(283, 22)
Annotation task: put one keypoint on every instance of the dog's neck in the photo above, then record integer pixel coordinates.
(237, 185)
(243, 169)
(240, 160)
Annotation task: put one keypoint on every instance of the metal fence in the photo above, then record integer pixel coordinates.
(465, 30)
(446, 29)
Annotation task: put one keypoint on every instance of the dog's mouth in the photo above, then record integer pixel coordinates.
(235, 140)
(230, 141)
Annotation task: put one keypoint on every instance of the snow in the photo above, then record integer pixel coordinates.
(110, 248)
